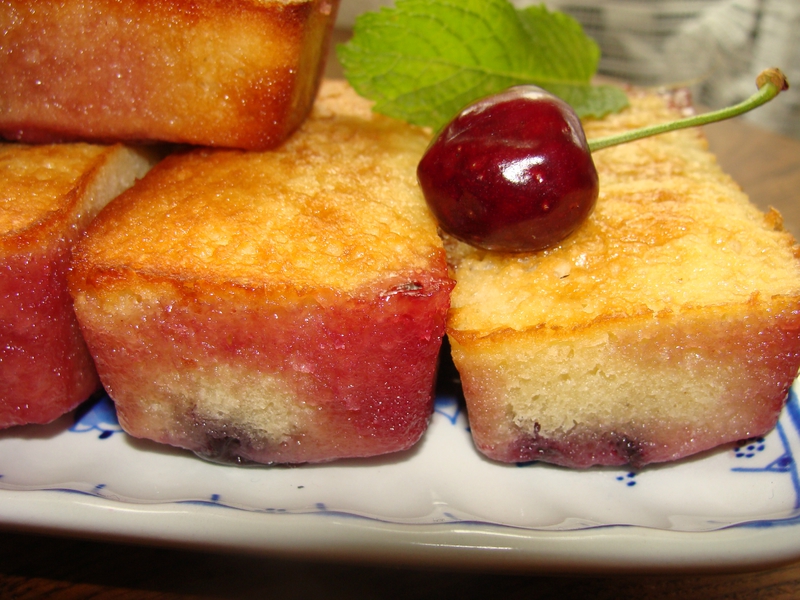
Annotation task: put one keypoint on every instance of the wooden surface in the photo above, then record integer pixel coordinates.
(34, 567)
(767, 166)
(38, 566)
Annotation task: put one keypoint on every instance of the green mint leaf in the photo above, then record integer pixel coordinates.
(424, 60)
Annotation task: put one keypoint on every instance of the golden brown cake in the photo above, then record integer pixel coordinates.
(667, 325)
(231, 73)
(276, 307)
(48, 194)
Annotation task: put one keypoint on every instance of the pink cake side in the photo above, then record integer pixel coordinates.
(48, 195)
(246, 376)
(45, 366)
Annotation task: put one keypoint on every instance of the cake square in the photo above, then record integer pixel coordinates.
(667, 325)
(273, 307)
(229, 73)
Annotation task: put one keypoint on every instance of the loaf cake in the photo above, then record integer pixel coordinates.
(284, 306)
(229, 73)
(667, 325)
(48, 195)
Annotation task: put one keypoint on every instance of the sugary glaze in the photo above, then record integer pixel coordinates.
(48, 196)
(232, 73)
(668, 324)
(341, 191)
(38, 183)
(285, 306)
(670, 230)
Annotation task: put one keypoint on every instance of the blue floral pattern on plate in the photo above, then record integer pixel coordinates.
(442, 480)
(97, 415)
(786, 439)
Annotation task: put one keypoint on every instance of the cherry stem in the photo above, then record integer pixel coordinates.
(770, 83)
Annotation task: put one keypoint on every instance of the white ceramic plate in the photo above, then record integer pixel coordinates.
(439, 503)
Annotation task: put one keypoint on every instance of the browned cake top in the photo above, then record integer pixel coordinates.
(38, 180)
(338, 206)
(670, 230)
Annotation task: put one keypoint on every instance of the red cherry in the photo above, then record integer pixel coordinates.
(511, 172)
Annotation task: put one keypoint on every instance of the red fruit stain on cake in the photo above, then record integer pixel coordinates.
(45, 367)
(277, 384)
(49, 194)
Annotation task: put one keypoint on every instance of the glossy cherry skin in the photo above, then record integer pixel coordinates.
(511, 172)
